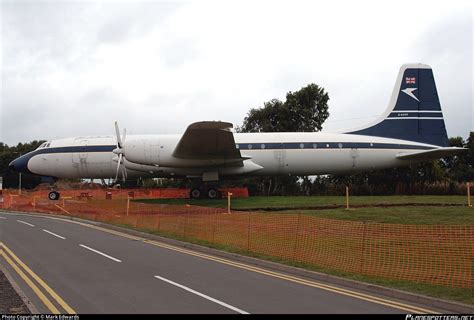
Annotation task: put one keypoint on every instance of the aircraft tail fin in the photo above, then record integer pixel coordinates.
(414, 112)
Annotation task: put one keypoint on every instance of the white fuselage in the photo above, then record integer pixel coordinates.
(291, 153)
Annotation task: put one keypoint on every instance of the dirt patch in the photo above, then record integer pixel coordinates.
(10, 301)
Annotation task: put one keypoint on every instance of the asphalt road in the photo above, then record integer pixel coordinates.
(95, 271)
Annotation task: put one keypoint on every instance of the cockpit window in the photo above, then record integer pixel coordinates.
(44, 145)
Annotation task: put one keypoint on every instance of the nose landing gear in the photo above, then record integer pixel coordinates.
(54, 195)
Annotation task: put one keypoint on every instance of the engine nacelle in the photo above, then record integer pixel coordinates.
(153, 152)
(142, 151)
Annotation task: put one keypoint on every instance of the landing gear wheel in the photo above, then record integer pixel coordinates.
(195, 194)
(212, 194)
(53, 195)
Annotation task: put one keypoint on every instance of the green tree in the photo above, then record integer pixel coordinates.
(304, 110)
(461, 167)
(8, 154)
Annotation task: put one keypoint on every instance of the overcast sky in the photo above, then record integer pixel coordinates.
(73, 68)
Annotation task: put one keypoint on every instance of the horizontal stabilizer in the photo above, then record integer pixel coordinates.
(431, 154)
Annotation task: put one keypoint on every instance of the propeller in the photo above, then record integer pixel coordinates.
(119, 152)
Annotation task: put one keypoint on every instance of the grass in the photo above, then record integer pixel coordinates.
(450, 209)
(302, 201)
(414, 215)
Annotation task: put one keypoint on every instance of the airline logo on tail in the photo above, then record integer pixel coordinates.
(409, 91)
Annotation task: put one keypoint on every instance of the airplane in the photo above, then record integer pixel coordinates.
(411, 130)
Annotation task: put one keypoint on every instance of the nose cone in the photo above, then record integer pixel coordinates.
(20, 164)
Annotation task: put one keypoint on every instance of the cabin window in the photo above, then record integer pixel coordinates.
(262, 146)
(339, 145)
(315, 145)
(327, 145)
(250, 146)
(301, 145)
(371, 144)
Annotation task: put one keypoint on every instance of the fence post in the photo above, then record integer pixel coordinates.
(347, 198)
(128, 204)
(468, 185)
(228, 202)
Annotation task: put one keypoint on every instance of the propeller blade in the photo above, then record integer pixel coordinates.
(118, 167)
(117, 132)
(124, 174)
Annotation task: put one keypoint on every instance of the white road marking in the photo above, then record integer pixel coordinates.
(54, 234)
(28, 224)
(3, 218)
(203, 295)
(101, 253)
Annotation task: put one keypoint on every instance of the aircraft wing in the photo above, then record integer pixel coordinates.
(431, 154)
(208, 140)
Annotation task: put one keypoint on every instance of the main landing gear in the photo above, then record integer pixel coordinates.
(209, 192)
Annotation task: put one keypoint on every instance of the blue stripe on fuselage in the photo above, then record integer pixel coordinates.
(327, 145)
(76, 149)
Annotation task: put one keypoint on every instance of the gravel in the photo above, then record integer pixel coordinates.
(10, 301)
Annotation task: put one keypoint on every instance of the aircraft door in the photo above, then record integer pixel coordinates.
(280, 158)
(154, 151)
(354, 156)
(79, 157)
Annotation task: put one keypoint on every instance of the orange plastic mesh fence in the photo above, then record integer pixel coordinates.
(433, 254)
